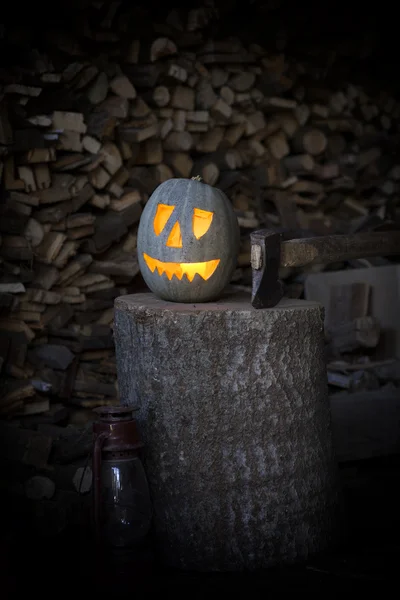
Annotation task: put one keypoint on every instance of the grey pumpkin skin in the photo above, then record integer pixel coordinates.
(221, 241)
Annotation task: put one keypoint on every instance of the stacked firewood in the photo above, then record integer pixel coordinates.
(46, 475)
(89, 130)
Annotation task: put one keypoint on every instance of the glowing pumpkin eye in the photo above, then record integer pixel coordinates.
(163, 213)
(201, 222)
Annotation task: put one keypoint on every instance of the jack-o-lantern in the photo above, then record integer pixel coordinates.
(188, 241)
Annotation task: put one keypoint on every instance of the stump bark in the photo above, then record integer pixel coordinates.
(234, 412)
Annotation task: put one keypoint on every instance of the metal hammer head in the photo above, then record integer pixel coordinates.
(265, 260)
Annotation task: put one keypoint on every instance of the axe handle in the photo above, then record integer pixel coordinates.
(336, 248)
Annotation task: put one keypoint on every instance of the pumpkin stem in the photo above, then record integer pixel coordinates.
(197, 178)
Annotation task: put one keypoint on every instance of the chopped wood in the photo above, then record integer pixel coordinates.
(207, 170)
(179, 121)
(69, 140)
(97, 90)
(50, 247)
(277, 145)
(128, 199)
(162, 47)
(69, 121)
(178, 141)
(221, 110)
(42, 176)
(310, 141)
(363, 332)
(85, 141)
(161, 96)
(111, 158)
(28, 177)
(62, 188)
(99, 178)
(176, 73)
(299, 164)
(90, 144)
(34, 232)
(12, 288)
(180, 163)
(183, 97)
(205, 95)
(242, 82)
(121, 86)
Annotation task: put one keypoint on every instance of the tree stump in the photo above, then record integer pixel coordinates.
(234, 413)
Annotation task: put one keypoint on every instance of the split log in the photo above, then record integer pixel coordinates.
(310, 141)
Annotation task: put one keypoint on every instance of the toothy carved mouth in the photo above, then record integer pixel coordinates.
(171, 269)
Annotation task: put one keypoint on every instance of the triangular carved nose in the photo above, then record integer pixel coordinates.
(175, 237)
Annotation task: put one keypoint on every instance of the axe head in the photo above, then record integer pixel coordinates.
(267, 290)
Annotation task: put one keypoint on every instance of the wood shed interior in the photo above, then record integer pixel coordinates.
(293, 110)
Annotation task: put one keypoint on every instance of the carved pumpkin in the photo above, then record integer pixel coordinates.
(188, 240)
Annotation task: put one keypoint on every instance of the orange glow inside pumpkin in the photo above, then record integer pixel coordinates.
(201, 223)
(164, 211)
(204, 269)
(175, 237)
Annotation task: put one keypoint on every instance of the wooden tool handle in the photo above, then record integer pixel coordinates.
(335, 248)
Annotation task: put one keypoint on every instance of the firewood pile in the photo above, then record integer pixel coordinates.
(89, 128)
(47, 473)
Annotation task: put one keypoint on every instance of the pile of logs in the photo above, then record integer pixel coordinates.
(47, 473)
(89, 130)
